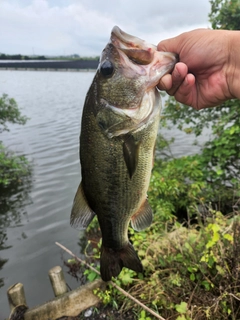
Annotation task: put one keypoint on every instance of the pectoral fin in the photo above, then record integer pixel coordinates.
(81, 214)
(130, 153)
(142, 218)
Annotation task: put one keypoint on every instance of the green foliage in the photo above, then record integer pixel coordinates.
(15, 173)
(218, 165)
(189, 272)
(107, 297)
(176, 185)
(220, 155)
(182, 308)
(12, 168)
(225, 14)
(9, 112)
(91, 275)
(143, 316)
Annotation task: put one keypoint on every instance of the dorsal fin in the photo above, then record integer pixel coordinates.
(81, 214)
(143, 217)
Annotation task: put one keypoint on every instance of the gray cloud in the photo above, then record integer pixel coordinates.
(83, 27)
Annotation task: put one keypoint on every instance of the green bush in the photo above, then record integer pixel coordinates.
(176, 185)
(13, 168)
(15, 173)
(190, 272)
(219, 157)
(195, 268)
(9, 112)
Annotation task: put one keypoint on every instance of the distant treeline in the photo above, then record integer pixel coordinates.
(20, 57)
(23, 57)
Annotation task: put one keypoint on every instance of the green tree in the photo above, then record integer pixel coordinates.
(225, 14)
(15, 175)
(9, 113)
(12, 168)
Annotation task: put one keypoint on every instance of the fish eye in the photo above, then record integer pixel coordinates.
(107, 68)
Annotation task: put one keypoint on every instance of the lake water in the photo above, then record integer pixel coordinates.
(53, 101)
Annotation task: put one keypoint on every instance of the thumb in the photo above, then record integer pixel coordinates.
(170, 45)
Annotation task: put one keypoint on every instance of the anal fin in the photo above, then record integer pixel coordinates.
(81, 214)
(142, 219)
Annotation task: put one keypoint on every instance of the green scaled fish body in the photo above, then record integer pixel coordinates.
(118, 133)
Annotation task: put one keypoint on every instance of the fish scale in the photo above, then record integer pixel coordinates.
(118, 133)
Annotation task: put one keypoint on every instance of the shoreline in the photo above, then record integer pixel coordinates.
(64, 65)
(46, 69)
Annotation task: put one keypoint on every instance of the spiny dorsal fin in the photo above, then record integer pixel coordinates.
(142, 219)
(130, 153)
(81, 214)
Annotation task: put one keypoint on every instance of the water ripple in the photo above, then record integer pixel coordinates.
(50, 139)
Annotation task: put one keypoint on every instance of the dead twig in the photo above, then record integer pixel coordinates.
(125, 293)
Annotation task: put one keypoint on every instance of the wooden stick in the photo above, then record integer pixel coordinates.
(57, 280)
(16, 296)
(125, 293)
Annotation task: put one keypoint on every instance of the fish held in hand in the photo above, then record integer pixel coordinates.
(118, 133)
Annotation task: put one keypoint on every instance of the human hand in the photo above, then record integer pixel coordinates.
(206, 75)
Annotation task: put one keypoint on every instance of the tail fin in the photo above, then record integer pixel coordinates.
(112, 262)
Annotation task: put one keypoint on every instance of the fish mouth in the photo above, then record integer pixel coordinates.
(142, 53)
(135, 48)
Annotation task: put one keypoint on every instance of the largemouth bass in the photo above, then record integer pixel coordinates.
(118, 133)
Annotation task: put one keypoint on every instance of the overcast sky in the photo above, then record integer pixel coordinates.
(62, 27)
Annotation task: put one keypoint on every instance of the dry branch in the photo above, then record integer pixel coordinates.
(126, 294)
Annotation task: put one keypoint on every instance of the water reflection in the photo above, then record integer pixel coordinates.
(2, 262)
(50, 139)
(13, 200)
